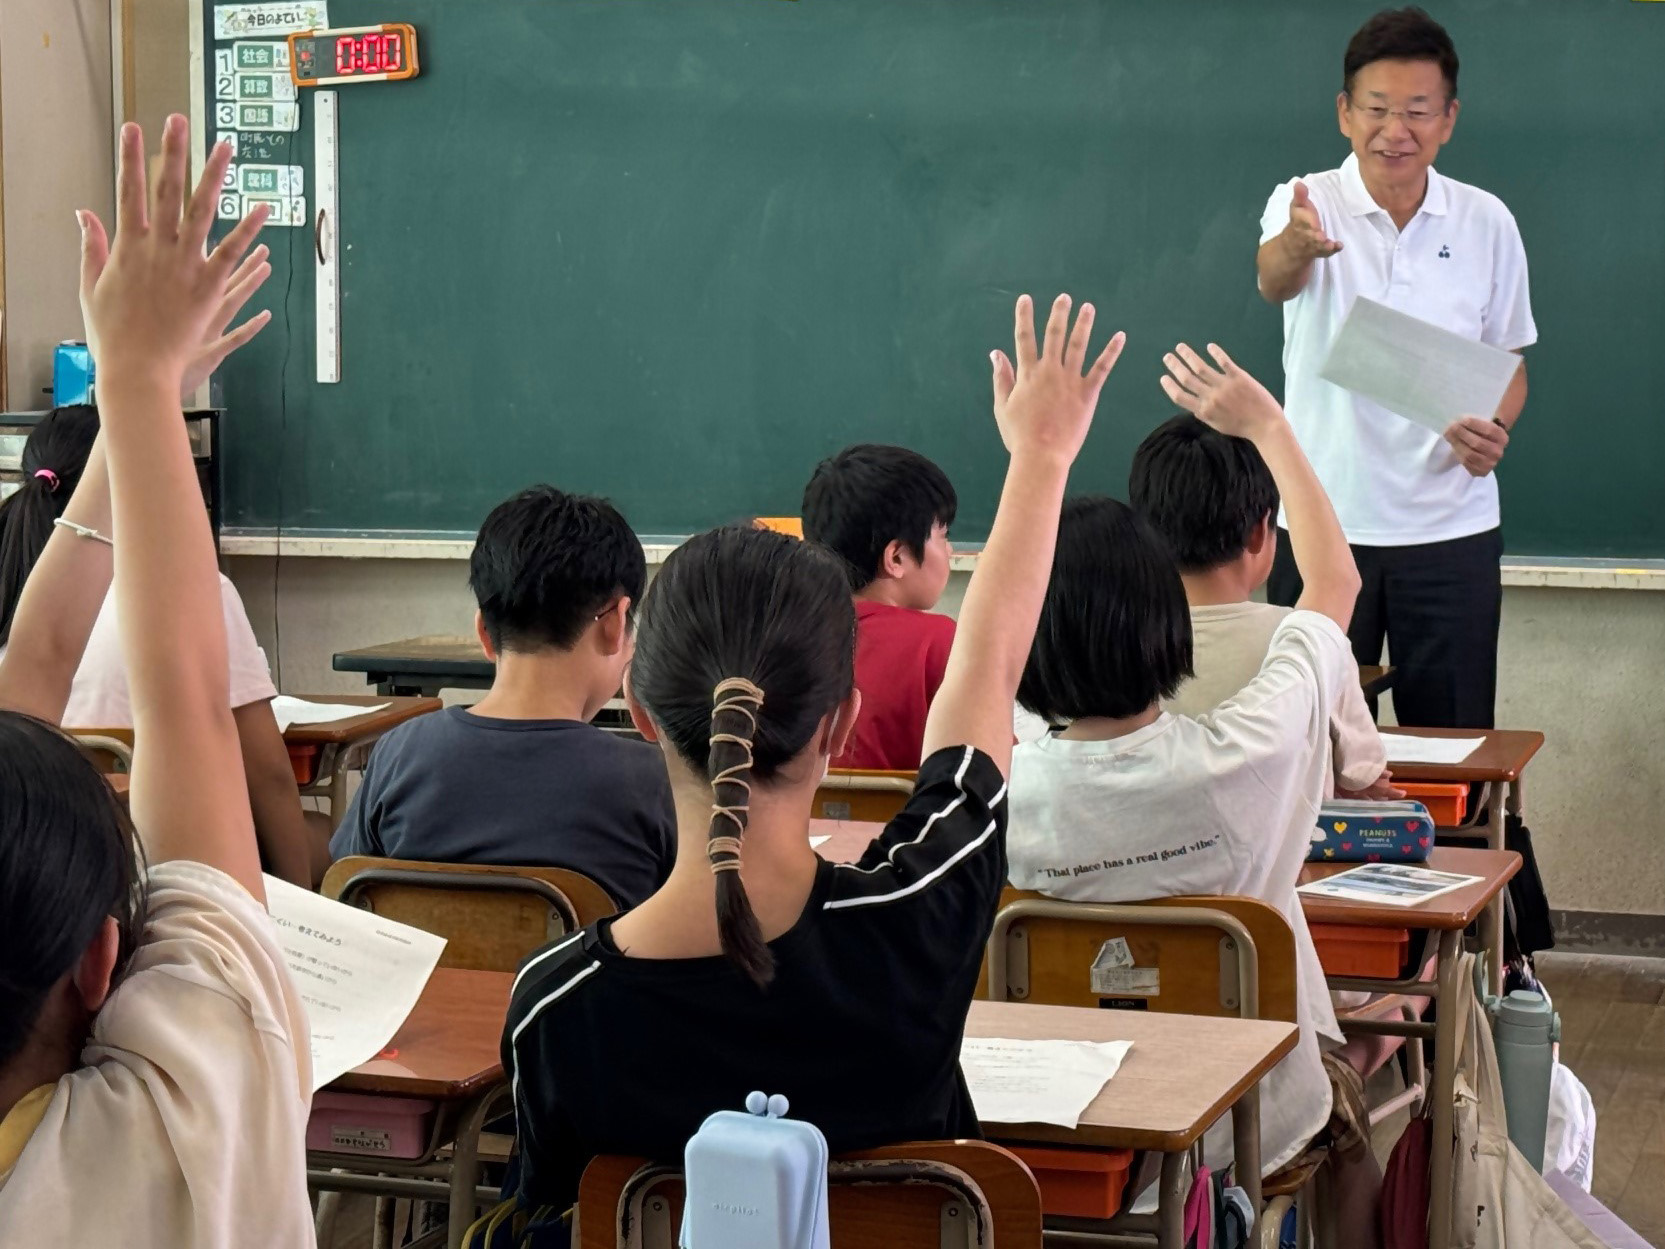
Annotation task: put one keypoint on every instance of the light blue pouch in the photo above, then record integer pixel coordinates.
(756, 1181)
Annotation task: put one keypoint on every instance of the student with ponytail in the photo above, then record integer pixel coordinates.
(757, 965)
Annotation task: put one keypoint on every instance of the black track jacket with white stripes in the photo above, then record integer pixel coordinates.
(860, 1028)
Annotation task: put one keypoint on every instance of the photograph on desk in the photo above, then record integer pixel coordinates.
(1396, 884)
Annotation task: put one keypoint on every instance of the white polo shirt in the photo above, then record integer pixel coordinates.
(1458, 263)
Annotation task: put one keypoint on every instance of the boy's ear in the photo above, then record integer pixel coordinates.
(893, 561)
(1259, 536)
(483, 636)
(638, 714)
(98, 967)
(613, 627)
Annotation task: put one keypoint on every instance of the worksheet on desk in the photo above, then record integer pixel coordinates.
(1022, 1081)
(358, 973)
(1447, 751)
(1421, 371)
(289, 711)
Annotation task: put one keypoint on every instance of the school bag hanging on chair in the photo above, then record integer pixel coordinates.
(1499, 1201)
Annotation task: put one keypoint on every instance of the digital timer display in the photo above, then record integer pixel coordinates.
(358, 54)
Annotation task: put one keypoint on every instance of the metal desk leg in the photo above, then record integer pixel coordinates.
(1492, 927)
(1171, 1192)
(465, 1167)
(1245, 1134)
(1441, 1088)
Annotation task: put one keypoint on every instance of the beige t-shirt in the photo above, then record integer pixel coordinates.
(185, 1125)
(100, 697)
(1229, 643)
(1221, 804)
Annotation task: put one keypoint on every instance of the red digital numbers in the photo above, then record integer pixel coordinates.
(379, 52)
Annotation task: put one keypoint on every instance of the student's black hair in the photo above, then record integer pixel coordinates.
(1407, 34)
(68, 860)
(546, 563)
(1202, 490)
(760, 607)
(1115, 632)
(53, 459)
(867, 496)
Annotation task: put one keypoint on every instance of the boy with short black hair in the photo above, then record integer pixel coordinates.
(886, 511)
(1213, 500)
(523, 777)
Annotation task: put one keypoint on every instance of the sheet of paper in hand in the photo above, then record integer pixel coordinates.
(1037, 1081)
(1423, 372)
(358, 973)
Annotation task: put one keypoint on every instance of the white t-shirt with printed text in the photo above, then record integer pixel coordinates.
(1460, 264)
(1225, 803)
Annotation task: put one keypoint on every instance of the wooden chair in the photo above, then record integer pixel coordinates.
(791, 526)
(854, 794)
(491, 917)
(1188, 955)
(111, 750)
(925, 1195)
(1197, 956)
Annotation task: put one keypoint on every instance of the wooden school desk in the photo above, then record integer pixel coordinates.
(1444, 918)
(422, 665)
(1182, 1074)
(447, 1052)
(1497, 762)
(324, 754)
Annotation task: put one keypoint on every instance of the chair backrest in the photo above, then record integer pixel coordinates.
(111, 750)
(491, 917)
(854, 794)
(923, 1195)
(791, 526)
(1193, 956)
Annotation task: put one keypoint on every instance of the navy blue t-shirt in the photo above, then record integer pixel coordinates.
(455, 787)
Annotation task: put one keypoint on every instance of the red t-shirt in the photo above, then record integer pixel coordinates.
(901, 655)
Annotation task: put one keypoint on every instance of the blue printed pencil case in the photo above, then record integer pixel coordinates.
(1372, 832)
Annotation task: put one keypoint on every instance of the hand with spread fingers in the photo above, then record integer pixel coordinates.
(1479, 443)
(1225, 398)
(1045, 404)
(156, 302)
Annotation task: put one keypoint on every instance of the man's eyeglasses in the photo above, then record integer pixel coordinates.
(1411, 116)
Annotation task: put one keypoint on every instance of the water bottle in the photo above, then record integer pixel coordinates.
(1526, 1031)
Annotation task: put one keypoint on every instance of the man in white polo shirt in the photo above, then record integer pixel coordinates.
(1420, 511)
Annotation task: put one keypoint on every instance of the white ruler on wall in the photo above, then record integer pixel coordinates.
(326, 236)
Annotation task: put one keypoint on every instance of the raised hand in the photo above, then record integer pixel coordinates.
(1305, 232)
(217, 344)
(1479, 443)
(153, 302)
(1045, 405)
(1224, 398)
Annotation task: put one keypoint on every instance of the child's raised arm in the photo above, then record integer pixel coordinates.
(1228, 399)
(149, 311)
(1044, 410)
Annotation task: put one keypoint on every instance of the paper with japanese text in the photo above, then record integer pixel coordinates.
(1037, 1081)
(359, 974)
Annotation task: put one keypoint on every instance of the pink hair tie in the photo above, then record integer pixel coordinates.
(50, 478)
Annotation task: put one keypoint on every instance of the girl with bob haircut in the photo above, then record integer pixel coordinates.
(757, 965)
(150, 1039)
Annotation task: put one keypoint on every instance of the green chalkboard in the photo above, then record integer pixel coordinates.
(674, 251)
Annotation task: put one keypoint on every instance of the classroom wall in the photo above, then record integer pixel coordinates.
(55, 143)
(1583, 665)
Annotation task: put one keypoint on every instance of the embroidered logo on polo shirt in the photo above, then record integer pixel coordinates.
(1445, 252)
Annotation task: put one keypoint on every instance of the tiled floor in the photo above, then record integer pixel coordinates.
(1613, 1037)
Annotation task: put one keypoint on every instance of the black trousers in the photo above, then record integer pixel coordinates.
(1438, 606)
